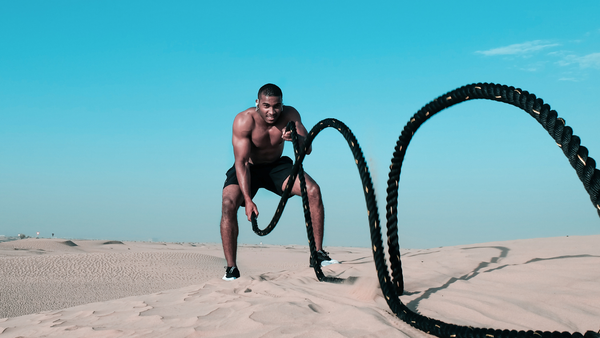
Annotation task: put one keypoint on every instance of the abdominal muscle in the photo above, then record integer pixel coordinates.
(258, 155)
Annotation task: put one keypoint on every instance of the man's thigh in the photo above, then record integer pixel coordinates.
(296, 188)
(277, 175)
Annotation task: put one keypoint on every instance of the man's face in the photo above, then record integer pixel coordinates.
(269, 108)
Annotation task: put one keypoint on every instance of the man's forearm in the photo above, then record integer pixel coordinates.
(242, 171)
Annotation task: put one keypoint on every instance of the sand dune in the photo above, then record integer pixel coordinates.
(58, 288)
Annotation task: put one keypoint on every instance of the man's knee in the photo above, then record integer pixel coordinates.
(230, 206)
(313, 190)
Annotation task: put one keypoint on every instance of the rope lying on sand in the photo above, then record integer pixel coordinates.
(393, 286)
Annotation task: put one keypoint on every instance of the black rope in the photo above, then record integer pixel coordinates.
(392, 286)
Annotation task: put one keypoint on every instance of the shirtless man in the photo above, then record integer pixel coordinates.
(258, 140)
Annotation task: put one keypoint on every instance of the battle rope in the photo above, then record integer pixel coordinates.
(393, 287)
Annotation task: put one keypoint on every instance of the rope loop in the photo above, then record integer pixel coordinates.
(392, 286)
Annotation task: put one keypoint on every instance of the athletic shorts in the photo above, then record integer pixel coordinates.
(264, 175)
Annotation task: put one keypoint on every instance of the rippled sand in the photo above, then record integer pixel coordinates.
(61, 288)
(49, 274)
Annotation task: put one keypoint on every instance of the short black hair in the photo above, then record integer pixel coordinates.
(270, 90)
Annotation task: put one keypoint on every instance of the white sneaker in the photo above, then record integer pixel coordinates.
(231, 273)
(323, 258)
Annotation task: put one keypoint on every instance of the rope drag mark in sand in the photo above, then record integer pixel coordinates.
(393, 286)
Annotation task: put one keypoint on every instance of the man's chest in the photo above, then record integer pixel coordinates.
(267, 138)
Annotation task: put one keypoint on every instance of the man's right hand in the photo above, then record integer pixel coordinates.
(251, 209)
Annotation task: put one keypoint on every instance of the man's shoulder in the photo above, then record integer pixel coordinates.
(291, 113)
(290, 109)
(246, 116)
(244, 121)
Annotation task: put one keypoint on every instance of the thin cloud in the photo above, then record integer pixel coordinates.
(564, 59)
(586, 61)
(534, 66)
(519, 48)
(590, 60)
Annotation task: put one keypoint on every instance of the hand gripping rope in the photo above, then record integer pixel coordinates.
(393, 286)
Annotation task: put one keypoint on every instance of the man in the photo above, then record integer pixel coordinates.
(258, 140)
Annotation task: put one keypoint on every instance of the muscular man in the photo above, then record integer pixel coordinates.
(258, 140)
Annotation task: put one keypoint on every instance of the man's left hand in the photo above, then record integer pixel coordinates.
(286, 135)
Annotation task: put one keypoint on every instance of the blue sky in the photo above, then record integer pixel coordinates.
(115, 116)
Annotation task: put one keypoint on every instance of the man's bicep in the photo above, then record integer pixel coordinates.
(242, 131)
(300, 129)
(241, 148)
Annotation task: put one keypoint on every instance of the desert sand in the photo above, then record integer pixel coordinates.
(84, 288)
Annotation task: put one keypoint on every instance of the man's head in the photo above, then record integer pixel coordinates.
(270, 90)
(269, 103)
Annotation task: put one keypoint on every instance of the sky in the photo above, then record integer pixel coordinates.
(116, 116)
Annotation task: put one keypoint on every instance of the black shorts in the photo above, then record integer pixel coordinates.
(264, 175)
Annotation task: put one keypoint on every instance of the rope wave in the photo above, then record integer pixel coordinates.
(392, 286)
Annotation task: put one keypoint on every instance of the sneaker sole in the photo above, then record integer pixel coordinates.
(325, 263)
(229, 278)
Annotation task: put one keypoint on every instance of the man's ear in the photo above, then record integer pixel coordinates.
(256, 104)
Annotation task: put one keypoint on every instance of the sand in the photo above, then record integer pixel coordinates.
(81, 288)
